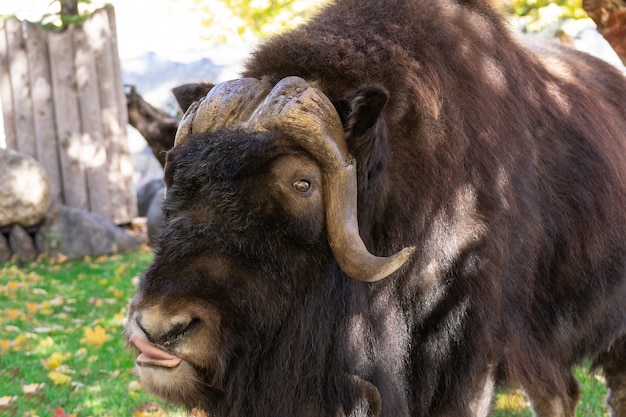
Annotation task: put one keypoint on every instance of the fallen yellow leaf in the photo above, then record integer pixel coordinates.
(95, 337)
(32, 307)
(513, 401)
(55, 360)
(13, 285)
(12, 313)
(120, 270)
(119, 319)
(19, 340)
(58, 378)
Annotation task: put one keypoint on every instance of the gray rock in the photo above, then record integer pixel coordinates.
(24, 190)
(154, 218)
(5, 250)
(74, 233)
(22, 244)
(146, 193)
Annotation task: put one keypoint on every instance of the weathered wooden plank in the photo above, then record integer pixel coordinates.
(6, 90)
(43, 106)
(117, 66)
(20, 81)
(63, 75)
(93, 154)
(126, 161)
(120, 168)
(64, 104)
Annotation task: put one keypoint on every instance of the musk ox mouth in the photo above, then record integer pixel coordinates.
(151, 355)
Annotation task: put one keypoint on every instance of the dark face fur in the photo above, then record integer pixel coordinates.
(243, 234)
(244, 289)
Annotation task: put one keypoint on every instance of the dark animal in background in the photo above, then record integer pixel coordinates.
(397, 208)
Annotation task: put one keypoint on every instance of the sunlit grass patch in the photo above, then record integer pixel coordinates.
(592, 403)
(62, 348)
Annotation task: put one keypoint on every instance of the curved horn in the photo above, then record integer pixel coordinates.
(228, 104)
(311, 120)
(340, 199)
(308, 117)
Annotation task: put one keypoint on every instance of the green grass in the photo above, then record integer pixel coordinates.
(62, 350)
(592, 402)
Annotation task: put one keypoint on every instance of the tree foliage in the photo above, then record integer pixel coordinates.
(536, 10)
(63, 13)
(253, 19)
(250, 20)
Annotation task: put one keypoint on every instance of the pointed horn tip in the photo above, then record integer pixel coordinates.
(387, 266)
(398, 260)
(405, 253)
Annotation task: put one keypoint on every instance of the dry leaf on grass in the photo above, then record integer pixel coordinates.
(149, 409)
(95, 337)
(197, 412)
(6, 401)
(32, 389)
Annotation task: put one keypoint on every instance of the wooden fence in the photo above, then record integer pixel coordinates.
(63, 103)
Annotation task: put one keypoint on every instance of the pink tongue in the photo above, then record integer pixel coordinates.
(152, 355)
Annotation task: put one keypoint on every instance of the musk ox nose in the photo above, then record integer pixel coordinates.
(152, 355)
(168, 334)
(160, 338)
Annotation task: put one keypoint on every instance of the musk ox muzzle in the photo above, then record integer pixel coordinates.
(307, 116)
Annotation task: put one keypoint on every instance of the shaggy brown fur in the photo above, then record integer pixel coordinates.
(506, 167)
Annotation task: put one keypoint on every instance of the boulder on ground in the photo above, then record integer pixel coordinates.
(73, 233)
(146, 193)
(24, 190)
(155, 220)
(5, 250)
(22, 244)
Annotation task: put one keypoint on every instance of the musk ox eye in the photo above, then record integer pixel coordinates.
(301, 186)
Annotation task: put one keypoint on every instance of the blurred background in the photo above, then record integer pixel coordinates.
(163, 43)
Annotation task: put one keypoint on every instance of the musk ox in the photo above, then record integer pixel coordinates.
(398, 207)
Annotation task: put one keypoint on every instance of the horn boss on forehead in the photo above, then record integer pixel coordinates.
(305, 115)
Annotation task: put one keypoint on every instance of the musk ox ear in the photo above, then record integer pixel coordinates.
(186, 94)
(366, 107)
(366, 129)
